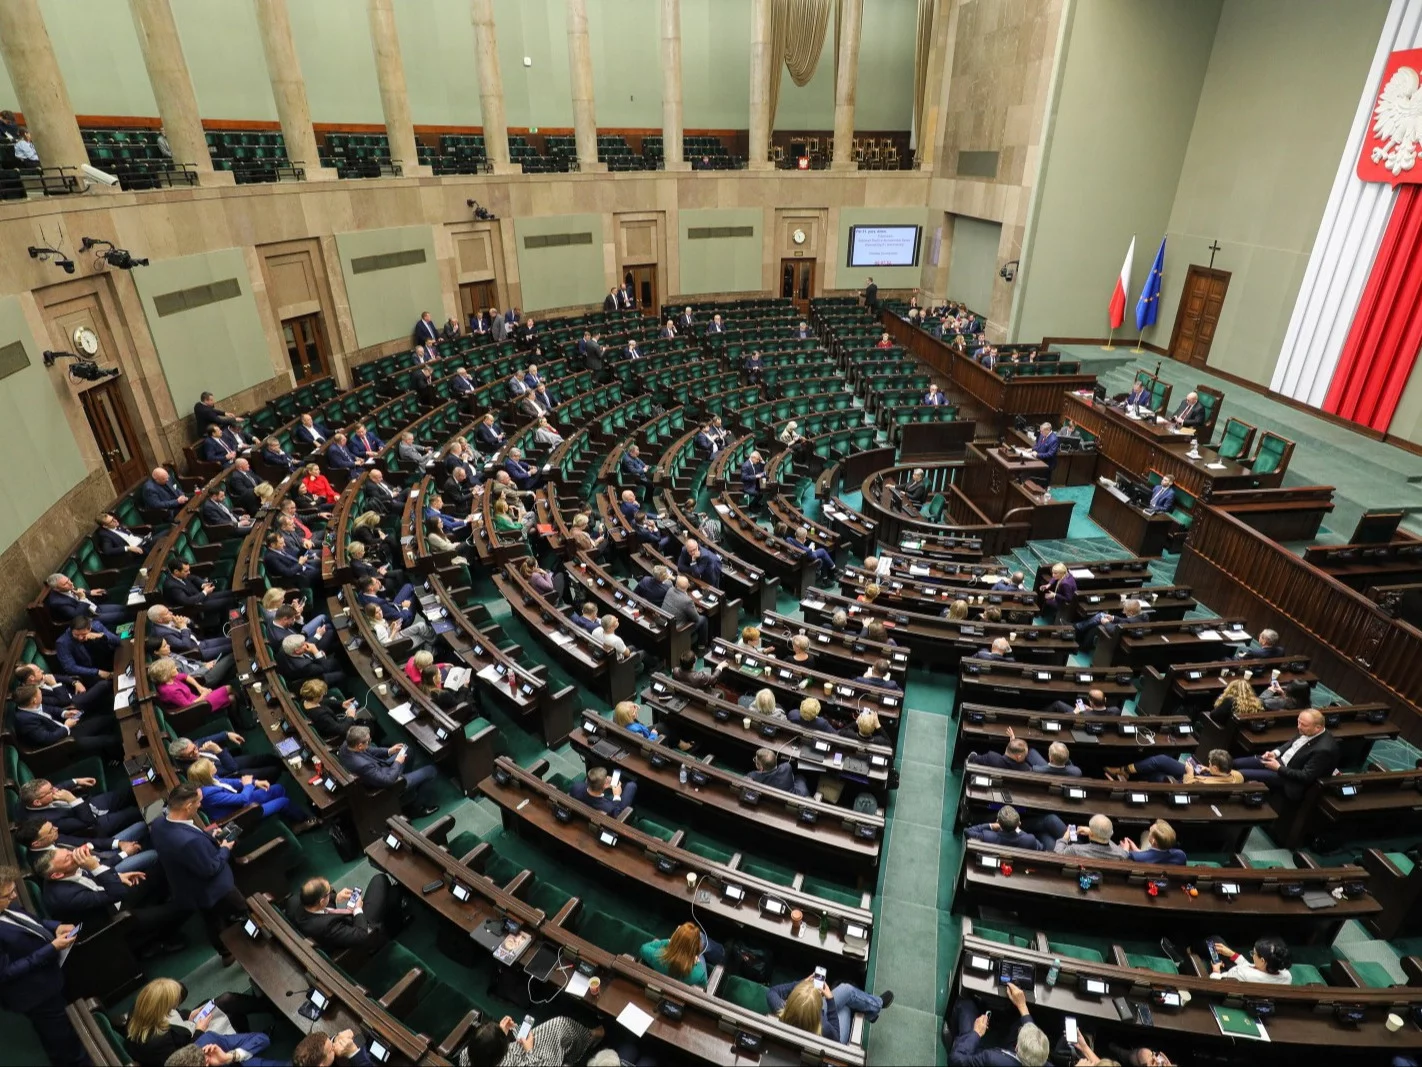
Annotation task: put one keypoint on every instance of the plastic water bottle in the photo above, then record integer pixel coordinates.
(681, 774)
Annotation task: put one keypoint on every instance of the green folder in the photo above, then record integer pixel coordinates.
(1236, 1022)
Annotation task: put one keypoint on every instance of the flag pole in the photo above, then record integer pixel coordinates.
(1109, 346)
(1138, 347)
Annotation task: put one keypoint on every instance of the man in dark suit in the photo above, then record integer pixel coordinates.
(425, 332)
(402, 607)
(185, 751)
(595, 789)
(211, 448)
(206, 413)
(340, 456)
(384, 767)
(39, 835)
(199, 867)
(917, 488)
(463, 383)
(457, 491)
(181, 589)
(101, 815)
(379, 497)
(1292, 768)
(1027, 1043)
(77, 887)
(335, 921)
(276, 457)
(1006, 831)
(633, 352)
(1190, 413)
(753, 478)
(65, 691)
(701, 563)
(38, 726)
(804, 333)
(686, 322)
(242, 485)
(310, 433)
(1001, 650)
(935, 398)
(717, 326)
(299, 659)
(178, 631)
(1014, 757)
(800, 539)
(1094, 704)
(216, 512)
(774, 774)
(1163, 496)
(524, 475)
(159, 493)
(635, 468)
(1132, 611)
(1139, 396)
(706, 442)
(86, 649)
(298, 572)
(488, 435)
(364, 443)
(653, 587)
(1046, 446)
(117, 543)
(611, 302)
(65, 602)
(871, 296)
(668, 332)
(31, 982)
(1265, 647)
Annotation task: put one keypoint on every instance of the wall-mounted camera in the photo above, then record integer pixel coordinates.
(1008, 271)
(118, 258)
(480, 212)
(84, 369)
(61, 261)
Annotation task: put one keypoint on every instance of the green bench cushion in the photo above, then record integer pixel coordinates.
(744, 993)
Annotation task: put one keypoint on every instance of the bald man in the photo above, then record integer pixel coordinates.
(1191, 413)
(1094, 844)
(1292, 768)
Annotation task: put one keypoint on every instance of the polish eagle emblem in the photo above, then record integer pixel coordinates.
(1393, 137)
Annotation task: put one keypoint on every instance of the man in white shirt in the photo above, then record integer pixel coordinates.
(606, 636)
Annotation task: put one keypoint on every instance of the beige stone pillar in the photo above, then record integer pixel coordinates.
(173, 88)
(581, 82)
(935, 90)
(491, 87)
(760, 68)
(673, 155)
(394, 101)
(289, 88)
(39, 87)
(845, 88)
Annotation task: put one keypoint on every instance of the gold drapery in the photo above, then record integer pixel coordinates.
(797, 37)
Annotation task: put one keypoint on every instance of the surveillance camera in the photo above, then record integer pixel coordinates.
(102, 176)
(67, 265)
(123, 259)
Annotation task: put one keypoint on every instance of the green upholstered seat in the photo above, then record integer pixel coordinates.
(652, 827)
(561, 782)
(440, 1006)
(613, 934)
(1159, 964)
(744, 993)
(461, 843)
(386, 967)
(850, 898)
(1270, 453)
(1402, 861)
(1234, 440)
(709, 852)
(549, 897)
(1076, 952)
(500, 868)
(769, 871)
(1374, 975)
(1305, 974)
(1004, 937)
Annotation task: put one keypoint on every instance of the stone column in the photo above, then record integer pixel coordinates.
(845, 88)
(673, 157)
(289, 88)
(39, 87)
(491, 88)
(760, 67)
(581, 81)
(173, 88)
(935, 89)
(394, 101)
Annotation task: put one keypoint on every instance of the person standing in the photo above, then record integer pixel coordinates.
(32, 951)
(199, 867)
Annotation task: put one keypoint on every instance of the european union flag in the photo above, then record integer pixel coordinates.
(1148, 306)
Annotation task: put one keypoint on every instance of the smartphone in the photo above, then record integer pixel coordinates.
(74, 934)
(205, 1012)
(819, 978)
(616, 778)
(1071, 1035)
(525, 1029)
(1071, 831)
(1214, 954)
(355, 897)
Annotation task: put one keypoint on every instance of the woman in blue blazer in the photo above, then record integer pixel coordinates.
(222, 797)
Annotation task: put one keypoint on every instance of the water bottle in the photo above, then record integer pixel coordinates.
(681, 774)
(1054, 973)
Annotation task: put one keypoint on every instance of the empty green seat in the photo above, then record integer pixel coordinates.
(1305, 974)
(440, 1006)
(613, 934)
(850, 898)
(709, 852)
(1002, 937)
(770, 872)
(1402, 861)
(386, 967)
(744, 993)
(1076, 952)
(561, 782)
(500, 869)
(1235, 439)
(1145, 961)
(549, 897)
(1270, 454)
(1374, 975)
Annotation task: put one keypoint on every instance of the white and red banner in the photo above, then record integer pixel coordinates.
(1356, 328)
(1116, 310)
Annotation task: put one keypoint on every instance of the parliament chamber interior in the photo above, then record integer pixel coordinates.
(651, 532)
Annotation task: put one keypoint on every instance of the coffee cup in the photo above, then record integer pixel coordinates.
(746, 722)
(594, 986)
(1394, 1022)
(690, 880)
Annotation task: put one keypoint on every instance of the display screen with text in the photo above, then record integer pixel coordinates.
(883, 246)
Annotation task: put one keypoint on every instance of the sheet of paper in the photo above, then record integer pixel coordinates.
(577, 985)
(1210, 635)
(126, 681)
(917, 570)
(123, 699)
(1214, 466)
(403, 714)
(1082, 572)
(135, 596)
(490, 675)
(458, 677)
(1236, 635)
(559, 637)
(635, 1019)
(815, 604)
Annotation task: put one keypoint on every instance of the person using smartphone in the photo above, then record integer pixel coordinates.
(549, 1044)
(159, 1026)
(32, 982)
(811, 1005)
(1268, 962)
(1026, 1043)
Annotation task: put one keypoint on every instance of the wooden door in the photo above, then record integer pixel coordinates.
(644, 284)
(797, 282)
(112, 427)
(477, 296)
(1198, 315)
(306, 347)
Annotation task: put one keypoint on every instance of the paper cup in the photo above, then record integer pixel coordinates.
(690, 880)
(1394, 1022)
(746, 723)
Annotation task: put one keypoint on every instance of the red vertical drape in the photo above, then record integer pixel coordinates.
(1387, 329)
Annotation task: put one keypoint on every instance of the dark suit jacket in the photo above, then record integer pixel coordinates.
(303, 434)
(604, 803)
(74, 655)
(380, 499)
(183, 592)
(29, 966)
(489, 437)
(182, 641)
(215, 514)
(340, 457)
(205, 415)
(72, 902)
(781, 777)
(648, 588)
(967, 1050)
(1017, 839)
(159, 497)
(64, 608)
(212, 450)
(36, 729)
(199, 869)
(109, 543)
(425, 332)
(1317, 759)
(374, 766)
(284, 566)
(1255, 651)
(331, 932)
(1190, 414)
(241, 484)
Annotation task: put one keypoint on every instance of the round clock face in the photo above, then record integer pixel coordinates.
(86, 340)
(798, 237)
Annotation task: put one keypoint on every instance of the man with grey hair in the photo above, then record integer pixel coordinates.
(185, 751)
(65, 601)
(382, 768)
(299, 659)
(606, 636)
(1006, 831)
(1106, 622)
(1098, 844)
(407, 451)
(679, 604)
(178, 631)
(1028, 1045)
(1265, 646)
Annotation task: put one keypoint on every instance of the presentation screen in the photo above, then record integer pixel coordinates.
(883, 246)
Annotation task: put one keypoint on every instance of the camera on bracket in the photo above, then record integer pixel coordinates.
(84, 369)
(118, 258)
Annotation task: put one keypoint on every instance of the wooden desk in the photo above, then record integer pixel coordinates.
(1011, 684)
(984, 728)
(1196, 685)
(1046, 882)
(840, 654)
(1163, 644)
(1145, 534)
(990, 473)
(1139, 447)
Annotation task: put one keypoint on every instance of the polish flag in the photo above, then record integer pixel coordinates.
(1117, 311)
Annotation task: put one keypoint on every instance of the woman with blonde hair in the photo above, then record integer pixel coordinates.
(315, 485)
(1239, 699)
(817, 1009)
(176, 690)
(808, 715)
(421, 661)
(264, 492)
(222, 797)
(800, 649)
(272, 599)
(957, 611)
(867, 729)
(870, 594)
(158, 1027)
(763, 701)
(688, 955)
